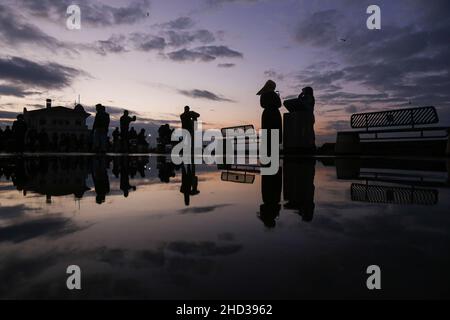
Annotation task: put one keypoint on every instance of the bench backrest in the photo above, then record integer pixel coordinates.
(395, 118)
(237, 128)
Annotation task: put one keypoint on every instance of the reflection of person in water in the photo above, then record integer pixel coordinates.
(271, 196)
(100, 178)
(125, 178)
(271, 103)
(189, 183)
(166, 170)
(299, 187)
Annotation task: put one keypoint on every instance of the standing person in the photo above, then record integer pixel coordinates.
(125, 121)
(307, 102)
(19, 130)
(188, 118)
(271, 117)
(101, 126)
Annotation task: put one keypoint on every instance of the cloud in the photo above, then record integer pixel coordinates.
(204, 94)
(182, 38)
(273, 75)
(206, 209)
(52, 227)
(114, 44)
(400, 64)
(94, 13)
(204, 54)
(15, 91)
(178, 24)
(46, 75)
(204, 249)
(226, 65)
(189, 55)
(146, 42)
(218, 3)
(15, 30)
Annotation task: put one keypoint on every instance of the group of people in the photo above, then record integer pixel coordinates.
(21, 138)
(270, 101)
(123, 139)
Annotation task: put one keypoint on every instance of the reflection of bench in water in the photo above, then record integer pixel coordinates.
(393, 195)
(238, 177)
(240, 137)
(396, 126)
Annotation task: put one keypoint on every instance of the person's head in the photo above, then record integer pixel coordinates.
(20, 117)
(308, 91)
(125, 112)
(187, 109)
(142, 131)
(98, 107)
(270, 86)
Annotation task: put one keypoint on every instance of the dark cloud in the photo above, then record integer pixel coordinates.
(179, 23)
(216, 3)
(226, 65)
(41, 75)
(204, 54)
(397, 65)
(15, 30)
(94, 13)
(115, 44)
(220, 52)
(189, 55)
(15, 91)
(204, 94)
(145, 42)
(46, 227)
(183, 38)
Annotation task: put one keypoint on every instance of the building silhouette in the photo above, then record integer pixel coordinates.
(58, 120)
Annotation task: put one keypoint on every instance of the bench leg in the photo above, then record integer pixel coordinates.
(348, 143)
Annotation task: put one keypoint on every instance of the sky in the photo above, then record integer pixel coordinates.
(153, 57)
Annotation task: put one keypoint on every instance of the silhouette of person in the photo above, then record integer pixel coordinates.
(19, 130)
(125, 177)
(101, 179)
(116, 139)
(125, 121)
(307, 102)
(271, 196)
(189, 183)
(188, 119)
(166, 170)
(271, 117)
(101, 127)
(299, 186)
(141, 139)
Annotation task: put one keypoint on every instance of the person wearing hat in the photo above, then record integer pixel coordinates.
(271, 117)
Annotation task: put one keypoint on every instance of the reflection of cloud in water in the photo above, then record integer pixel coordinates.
(206, 209)
(50, 227)
(111, 273)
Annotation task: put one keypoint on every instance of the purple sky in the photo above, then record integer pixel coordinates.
(155, 56)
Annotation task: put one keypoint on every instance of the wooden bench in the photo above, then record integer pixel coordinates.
(394, 125)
